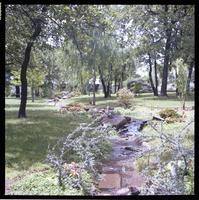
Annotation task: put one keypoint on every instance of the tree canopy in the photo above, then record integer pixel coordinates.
(74, 43)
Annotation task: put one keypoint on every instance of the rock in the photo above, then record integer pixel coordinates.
(110, 181)
(142, 125)
(86, 109)
(158, 118)
(105, 194)
(50, 100)
(116, 121)
(65, 97)
(127, 191)
(56, 99)
(138, 141)
(134, 191)
(128, 118)
(132, 178)
(110, 170)
(131, 149)
(123, 191)
(111, 108)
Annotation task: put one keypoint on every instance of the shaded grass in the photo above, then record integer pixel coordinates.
(27, 140)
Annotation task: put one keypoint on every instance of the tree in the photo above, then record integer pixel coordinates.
(37, 30)
(31, 24)
(35, 77)
(15, 80)
(182, 79)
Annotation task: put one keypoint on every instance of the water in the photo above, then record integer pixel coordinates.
(118, 173)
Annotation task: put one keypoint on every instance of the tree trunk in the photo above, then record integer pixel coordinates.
(22, 108)
(166, 63)
(156, 77)
(94, 79)
(189, 76)
(166, 58)
(32, 93)
(17, 91)
(183, 105)
(119, 86)
(150, 76)
(122, 75)
(115, 85)
(108, 90)
(110, 79)
(37, 92)
(103, 82)
(177, 92)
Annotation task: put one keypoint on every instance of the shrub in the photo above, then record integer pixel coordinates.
(76, 155)
(137, 87)
(168, 113)
(174, 174)
(125, 97)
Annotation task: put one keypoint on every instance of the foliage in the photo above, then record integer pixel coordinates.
(85, 145)
(137, 87)
(125, 97)
(35, 77)
(27, 140)
(15, 77)
(168, 113)
(42, 182)
(168, 164)
(182, 79)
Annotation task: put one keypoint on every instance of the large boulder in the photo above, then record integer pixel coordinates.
(116, 121)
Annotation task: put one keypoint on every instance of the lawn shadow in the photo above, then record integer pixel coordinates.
(27, 140)
(28, 105)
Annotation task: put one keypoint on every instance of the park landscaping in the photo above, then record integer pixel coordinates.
(99, 99)
(27, 140)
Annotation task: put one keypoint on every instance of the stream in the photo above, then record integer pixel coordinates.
(119, 176)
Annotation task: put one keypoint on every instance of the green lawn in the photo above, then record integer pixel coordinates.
(27, 140)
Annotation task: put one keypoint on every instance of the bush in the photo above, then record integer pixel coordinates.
(137, 87)
(76, 155)
(168, 113)
(125, 97)
(174, 174)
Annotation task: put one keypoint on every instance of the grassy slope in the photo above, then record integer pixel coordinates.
(27, 140)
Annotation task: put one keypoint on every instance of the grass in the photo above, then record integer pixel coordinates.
(27, 140)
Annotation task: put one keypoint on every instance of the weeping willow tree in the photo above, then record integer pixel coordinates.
(181, 81)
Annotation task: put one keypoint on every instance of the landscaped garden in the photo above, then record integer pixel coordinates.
(27, 140)
(99, 100)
